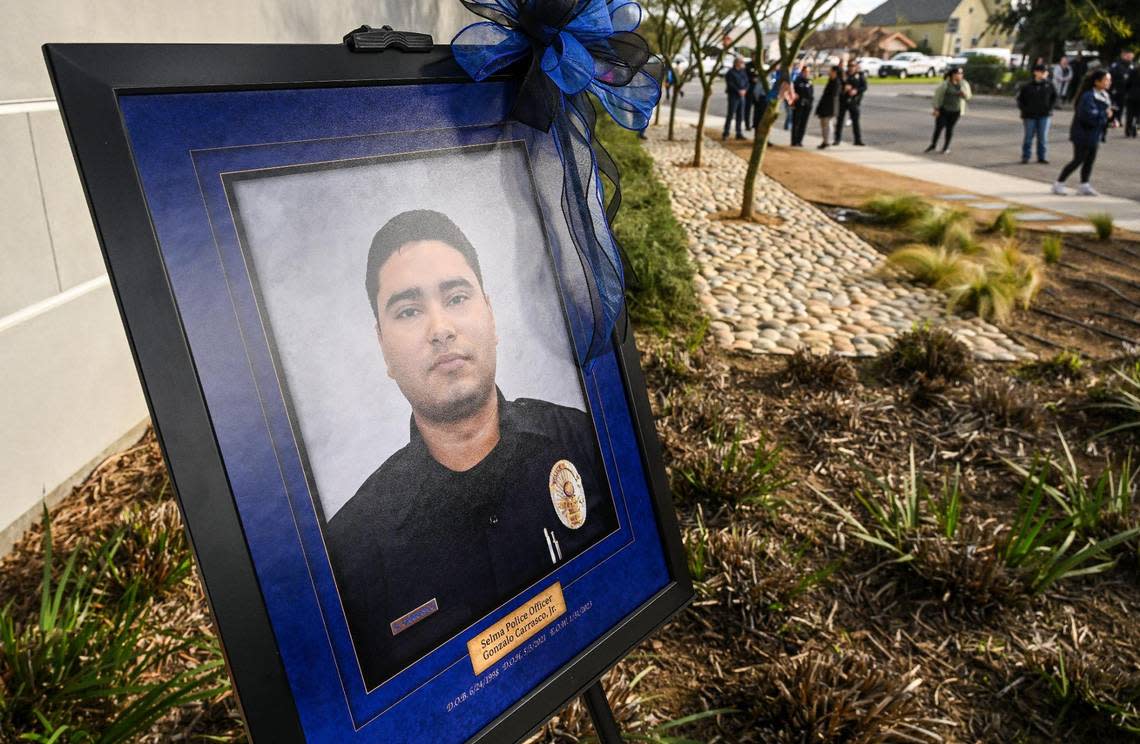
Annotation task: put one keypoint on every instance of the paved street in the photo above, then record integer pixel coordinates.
(897, 118)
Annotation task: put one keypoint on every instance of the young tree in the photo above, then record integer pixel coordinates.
(798, 20)
(709, 26)
(1043, 26)
(667, 37)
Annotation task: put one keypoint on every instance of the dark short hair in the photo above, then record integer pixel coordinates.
(1040, 68)
(410, 227)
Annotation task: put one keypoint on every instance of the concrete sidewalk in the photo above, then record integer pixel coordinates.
(958, 178)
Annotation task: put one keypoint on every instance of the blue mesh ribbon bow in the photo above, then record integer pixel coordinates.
(576, 48)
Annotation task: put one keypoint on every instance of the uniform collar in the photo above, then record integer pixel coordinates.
(512, 421)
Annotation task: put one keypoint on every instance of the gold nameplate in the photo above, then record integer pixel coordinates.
(402, 623)
(513, 630)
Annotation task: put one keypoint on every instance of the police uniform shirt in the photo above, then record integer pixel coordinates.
(421, 551)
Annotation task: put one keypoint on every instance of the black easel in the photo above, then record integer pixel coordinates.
(601, 714)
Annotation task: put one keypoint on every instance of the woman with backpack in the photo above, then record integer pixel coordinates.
(1090, 120)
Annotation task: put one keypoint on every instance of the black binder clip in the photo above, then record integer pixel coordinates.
(368, 39)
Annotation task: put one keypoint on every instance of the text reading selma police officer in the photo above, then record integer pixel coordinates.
(488, 495)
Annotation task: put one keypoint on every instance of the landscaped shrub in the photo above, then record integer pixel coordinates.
(729, 471)
(932, 228)
(1051, 247)
(1007, 403)
(934, 266)
(1004, 278)
(819, 370)
(1048, 541)
(931, 352)
(1103, 224)
(896, 209)
(1006, 222)
(986, 74)
(1064, 365)
(660, 288)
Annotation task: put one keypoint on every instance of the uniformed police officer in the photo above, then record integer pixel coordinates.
(488, 496)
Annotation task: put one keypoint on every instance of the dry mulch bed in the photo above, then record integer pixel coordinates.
(801, 632)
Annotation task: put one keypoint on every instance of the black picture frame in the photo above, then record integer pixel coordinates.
(89, 80)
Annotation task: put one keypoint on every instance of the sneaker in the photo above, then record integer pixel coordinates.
(1086, 189)
(1059, 188)
(1024, 161)
(945, 150)
(929, 149)
(741, 136)
(724, 136)
(821, 146)
(1043, 161)
(860, 144)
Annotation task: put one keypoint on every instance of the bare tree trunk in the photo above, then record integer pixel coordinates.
(756, 158)
(675, 95)
(706, 96)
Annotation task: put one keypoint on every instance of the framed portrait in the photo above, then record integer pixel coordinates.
(346, 280)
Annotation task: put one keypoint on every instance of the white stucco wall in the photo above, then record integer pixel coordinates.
(70, 393)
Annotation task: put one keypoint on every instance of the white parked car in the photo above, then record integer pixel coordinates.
(909, 64)
(870, 65)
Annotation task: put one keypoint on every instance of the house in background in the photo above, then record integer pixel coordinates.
(861, 41)
(945, 26)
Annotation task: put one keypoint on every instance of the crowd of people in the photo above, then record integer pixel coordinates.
(839, 102)
(1103, 98)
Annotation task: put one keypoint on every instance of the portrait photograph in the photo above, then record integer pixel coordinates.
(420, 339)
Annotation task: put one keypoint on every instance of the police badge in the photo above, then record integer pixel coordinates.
(567, 494)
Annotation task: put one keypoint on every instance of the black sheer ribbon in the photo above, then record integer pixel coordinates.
(579, 51)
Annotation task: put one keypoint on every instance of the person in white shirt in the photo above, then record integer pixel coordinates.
(1062, 77)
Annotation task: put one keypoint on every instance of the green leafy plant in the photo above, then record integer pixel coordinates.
(1045, 547)
(697, 549)
(1006, 222)
(660, 283)
(726, 470)
(1103, 224)
(1093, 507)
(1125, 400)
(1064, 365)
(78, 668)
(896, 209)
(1051, 248)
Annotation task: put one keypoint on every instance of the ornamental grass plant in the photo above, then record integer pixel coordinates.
(896, 209)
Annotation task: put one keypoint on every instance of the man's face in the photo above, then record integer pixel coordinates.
(436, 331)
(1126, 56)
(738, 64)
(1039, 75)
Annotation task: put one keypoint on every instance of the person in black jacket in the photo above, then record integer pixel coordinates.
(736, 86)
(801, 109)
(828, 102)
(1122, 73)
(1036, 101)
(1132, 105)
(850, 98)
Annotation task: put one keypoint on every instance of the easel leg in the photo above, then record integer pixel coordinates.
(601, 715)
